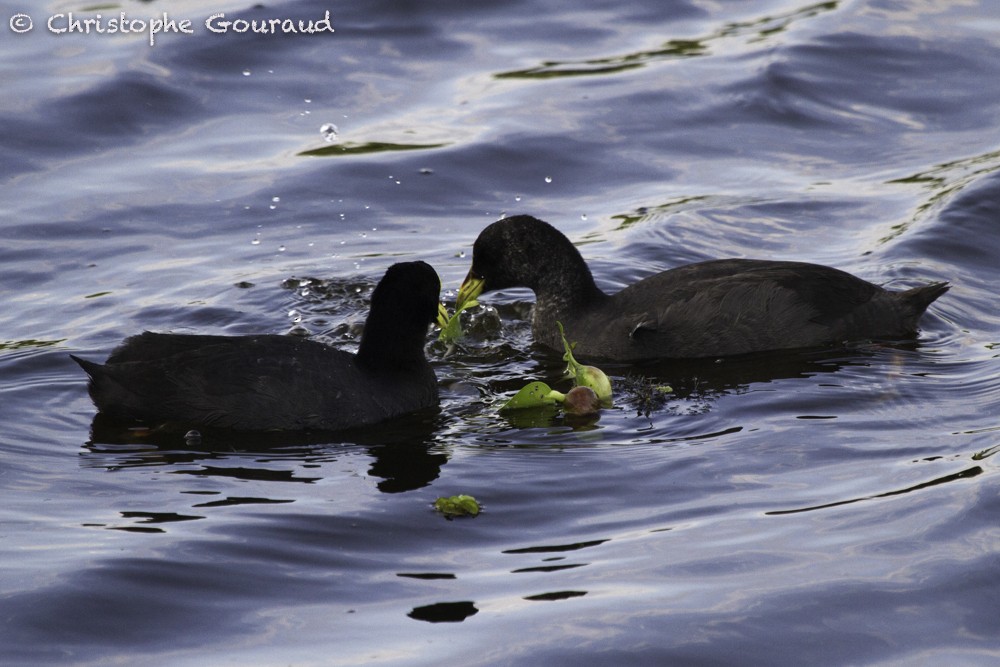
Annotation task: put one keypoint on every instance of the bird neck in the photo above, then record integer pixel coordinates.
(567, 283)
(391, 345)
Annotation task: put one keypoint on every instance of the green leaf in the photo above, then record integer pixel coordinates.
(986, 453)
(451, 325)
(460, 505)
(533, 395)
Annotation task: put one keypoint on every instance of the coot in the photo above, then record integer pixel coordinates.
(273, 382)
(709, 309)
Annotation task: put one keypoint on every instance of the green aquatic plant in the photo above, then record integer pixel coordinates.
(534, 395)
(644, 394)
(451, 325)
(591, 390)
(986, 453)
(585, 376)
(460, 505)
(29, 343)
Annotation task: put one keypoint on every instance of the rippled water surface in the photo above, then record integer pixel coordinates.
(825, 507)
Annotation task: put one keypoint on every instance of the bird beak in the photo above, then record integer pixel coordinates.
(470, 290)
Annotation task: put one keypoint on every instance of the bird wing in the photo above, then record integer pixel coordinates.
(248, 381)
(736, 304)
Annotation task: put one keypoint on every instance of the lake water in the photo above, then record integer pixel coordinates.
(817, 508)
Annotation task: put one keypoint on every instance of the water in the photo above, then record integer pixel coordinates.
(832, 507)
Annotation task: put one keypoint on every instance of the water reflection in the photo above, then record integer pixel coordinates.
(713, 377)
(754, 30)
(365, 148)
(403, 451)
(556, 548)
(150, 518)
(556, 595)
(444, 612)
(968, 473)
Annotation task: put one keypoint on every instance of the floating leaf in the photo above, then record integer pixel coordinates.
(986, 453)
(533, 395)
(592, 388)
(460, 505)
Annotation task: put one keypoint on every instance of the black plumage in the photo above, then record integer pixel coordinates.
(709, 309)
(272, 382)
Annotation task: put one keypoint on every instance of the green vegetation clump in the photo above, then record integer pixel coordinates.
(460, 505)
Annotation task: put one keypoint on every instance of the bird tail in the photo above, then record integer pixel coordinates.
(108, 394)
(92, 369)
(916, 300)
(919, 298)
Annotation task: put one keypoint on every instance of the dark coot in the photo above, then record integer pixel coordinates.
(709, 309)
(273, 382)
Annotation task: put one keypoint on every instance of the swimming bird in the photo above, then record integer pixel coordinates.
(275, 382)
(715, 308)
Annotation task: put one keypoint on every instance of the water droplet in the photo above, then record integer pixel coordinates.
(548, 179)
(329, 132)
